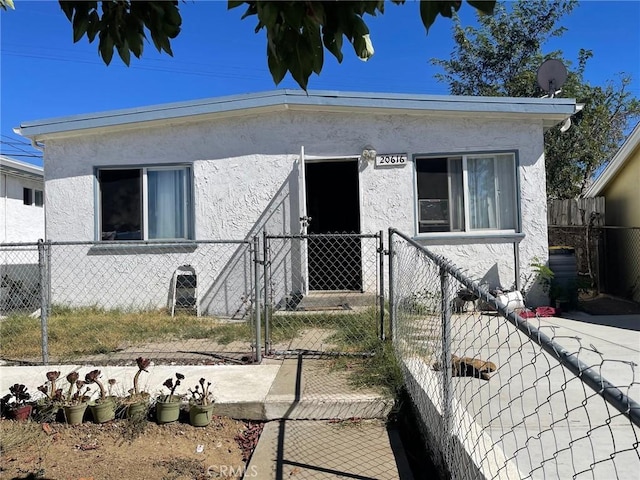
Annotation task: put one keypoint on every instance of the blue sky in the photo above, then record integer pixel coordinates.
(43, 74)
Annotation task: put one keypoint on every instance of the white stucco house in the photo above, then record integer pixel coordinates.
(22, 201)
(21, 220)
(465, 175)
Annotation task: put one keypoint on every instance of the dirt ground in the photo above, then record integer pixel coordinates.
(124, 450)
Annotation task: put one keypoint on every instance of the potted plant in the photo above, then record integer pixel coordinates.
(138, 401)
(18, 409)
(104, 408)
(48, 407)
(168, 406)
(200, 405)
(75, 400)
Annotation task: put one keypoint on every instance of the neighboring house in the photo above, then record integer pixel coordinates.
(618, 183)
(464, 174)
(21, 194)
(21, 220)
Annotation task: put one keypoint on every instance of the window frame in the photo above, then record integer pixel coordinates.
(38, 198)
(467, 232)
(189, 220)
(27, 196)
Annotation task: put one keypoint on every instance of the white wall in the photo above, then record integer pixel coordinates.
(19, 222)
(245, 178)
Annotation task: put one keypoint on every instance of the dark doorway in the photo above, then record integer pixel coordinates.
(333, 204)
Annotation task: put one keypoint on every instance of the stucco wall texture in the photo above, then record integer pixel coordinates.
(245, 180)
(19, 222)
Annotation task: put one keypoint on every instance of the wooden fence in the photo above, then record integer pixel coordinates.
(576, 212)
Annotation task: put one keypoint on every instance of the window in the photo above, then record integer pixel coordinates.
(27, 196)
(144, 203)
(466, 193)
(38, 198)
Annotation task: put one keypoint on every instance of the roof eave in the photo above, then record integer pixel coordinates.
(617, 162)
(551, 111)
(21, 169)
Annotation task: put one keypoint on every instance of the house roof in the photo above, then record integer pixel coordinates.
(617, 162)
(550, 111)
(16, 167)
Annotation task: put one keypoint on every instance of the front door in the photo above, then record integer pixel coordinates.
(333, 204)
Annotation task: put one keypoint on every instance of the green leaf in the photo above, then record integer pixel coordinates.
(276, 67)
(67, 8)
(80, 25)
(106, 47)
(268, 13)
(333, 42)
(428, 13)
(233, 4)
(94, 26)
(123, 51)
(251, 10)
(172, 14)
(483, 6)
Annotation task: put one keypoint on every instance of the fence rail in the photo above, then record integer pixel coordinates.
(499, 397)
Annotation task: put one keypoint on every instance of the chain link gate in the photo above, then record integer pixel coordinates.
(324, 293)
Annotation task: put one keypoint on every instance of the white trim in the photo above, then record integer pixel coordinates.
(616, 163)
(549, 111)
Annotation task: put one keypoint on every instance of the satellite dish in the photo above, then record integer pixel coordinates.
(551, 76)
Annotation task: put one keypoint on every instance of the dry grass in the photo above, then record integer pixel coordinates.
(14, 435)
(90, 331)
(82, 331)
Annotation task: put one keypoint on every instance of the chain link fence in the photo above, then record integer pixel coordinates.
(112, 301)
(621, 261)
(609, 257)
(499, 396)
(324, 293)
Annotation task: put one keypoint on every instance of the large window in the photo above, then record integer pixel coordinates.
(466, 193)
(144, 203)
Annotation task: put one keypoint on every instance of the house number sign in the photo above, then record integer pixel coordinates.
(391, 160)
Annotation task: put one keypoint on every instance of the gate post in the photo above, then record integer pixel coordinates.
(44, 304)
(381, 293)
(267, 284)
(447, 395)
(256, 297)
(392, 300)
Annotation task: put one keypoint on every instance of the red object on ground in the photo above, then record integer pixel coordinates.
(546, 311)
(540, 312)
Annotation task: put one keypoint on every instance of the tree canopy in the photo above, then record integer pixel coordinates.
(500, 57)
(298, 32)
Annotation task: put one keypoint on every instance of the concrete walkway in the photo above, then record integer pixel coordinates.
(533, 418)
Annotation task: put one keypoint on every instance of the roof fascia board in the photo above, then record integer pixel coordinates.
(617, 162)
(553, 109)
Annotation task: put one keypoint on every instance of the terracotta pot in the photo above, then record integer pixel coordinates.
(22, 412)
